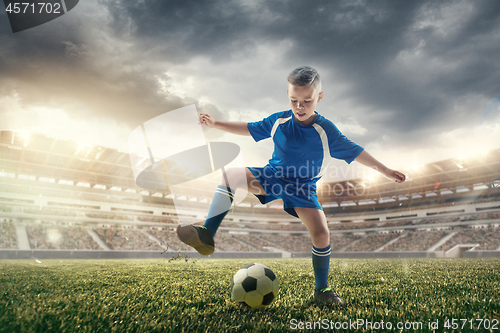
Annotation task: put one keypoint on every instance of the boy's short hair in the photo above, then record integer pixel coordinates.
(305, 76)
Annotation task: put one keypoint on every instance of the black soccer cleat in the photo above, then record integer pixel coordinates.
(327, 296)
(198, 237)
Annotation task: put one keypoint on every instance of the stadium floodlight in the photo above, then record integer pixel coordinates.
(370, 175)
(416, 168)
(25, 137)
(370, 179)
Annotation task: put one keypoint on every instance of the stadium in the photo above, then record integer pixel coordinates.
(83, 248)
(64, 200)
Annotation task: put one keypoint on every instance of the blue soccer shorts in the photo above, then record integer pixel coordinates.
(292, 192)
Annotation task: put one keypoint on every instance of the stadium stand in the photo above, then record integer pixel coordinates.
(8, 238)
(288, 243)
(352, 226)
(339, 242)
(397, 223)
(281, 227)
(48, 211)
(76, 238)
(109, 216)
(45, 236)
(230, 242)
(126, 239)
(487, 237)
(168, 237)
(371, 242)
(40, 239)
(155, 219)
(55, 191)
(416, 241)
(240, 242)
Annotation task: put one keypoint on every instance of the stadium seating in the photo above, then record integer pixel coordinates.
(397, 223)
(8, 238)
(488, 238)
(416, 241)
(55, 213)
(39, 239)
(46, 236)
(277, 226)
(338, 242)
(371, 242)
(232, 242)
(289, 243)
(126, 239)
(49, 211)
(158, 219)
(168, 237)
(110, 216)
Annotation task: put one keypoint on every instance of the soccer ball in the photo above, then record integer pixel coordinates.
(254, 285)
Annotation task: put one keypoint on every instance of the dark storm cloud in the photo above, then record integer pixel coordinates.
(406, 67)
(362, 41)
(75, 61)
(180, 30)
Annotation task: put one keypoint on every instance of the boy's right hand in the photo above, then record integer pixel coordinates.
(206, 119)
(235, 127)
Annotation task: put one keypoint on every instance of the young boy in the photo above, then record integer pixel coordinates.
(304, 143)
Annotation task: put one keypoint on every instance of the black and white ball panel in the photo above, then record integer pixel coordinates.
(270, 274)
(249, 284)
(254, 285)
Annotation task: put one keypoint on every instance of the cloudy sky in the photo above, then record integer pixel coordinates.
(407, 80)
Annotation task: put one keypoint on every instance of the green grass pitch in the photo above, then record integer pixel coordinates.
(187, 295)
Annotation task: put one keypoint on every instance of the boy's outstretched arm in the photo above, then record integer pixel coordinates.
(368, 160)
(235, 127)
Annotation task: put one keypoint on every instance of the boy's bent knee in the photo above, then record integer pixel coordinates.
(320, 238)
(233, 178)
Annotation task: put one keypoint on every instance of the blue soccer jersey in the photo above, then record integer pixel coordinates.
(302, 152)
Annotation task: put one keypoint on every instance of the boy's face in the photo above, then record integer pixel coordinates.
(303, 100)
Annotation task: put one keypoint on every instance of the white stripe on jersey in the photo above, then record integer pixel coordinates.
(326, 149)
(278, 122)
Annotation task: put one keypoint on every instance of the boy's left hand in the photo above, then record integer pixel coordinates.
(396, 175)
